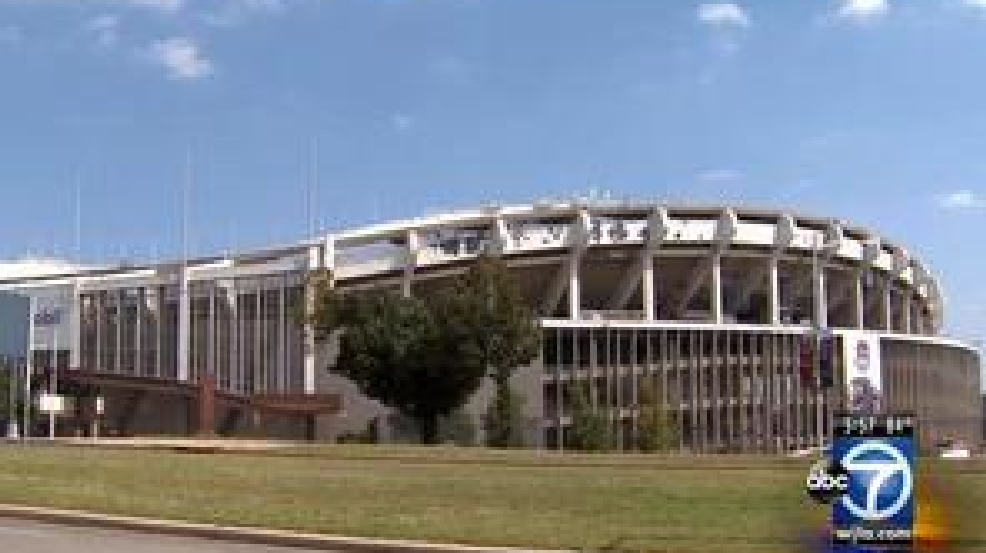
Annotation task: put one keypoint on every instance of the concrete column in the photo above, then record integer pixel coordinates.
(821, 302)
(97, 299)
(259, 377)
(138, 334)
(775, 292)
(184, 324)
(211, 365)
(647, 274)
(234, 337)
(118, 359)
(75, 327)
(282, 336)
(906, 311)
(412, 259)
(314, 263)
(158, 343)
(574, 294)
(716, 285)
(887, 307)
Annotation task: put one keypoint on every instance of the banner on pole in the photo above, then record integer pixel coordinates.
(864, 378)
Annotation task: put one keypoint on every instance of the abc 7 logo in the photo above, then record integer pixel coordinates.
(865, 498)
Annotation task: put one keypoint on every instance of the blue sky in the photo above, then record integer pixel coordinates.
(869, 110)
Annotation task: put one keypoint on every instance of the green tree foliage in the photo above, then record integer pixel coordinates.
(425, 356)
(505, 419)
(400, 351)
(5, 382)
(656, 428)
(591, 429)
(502, 333)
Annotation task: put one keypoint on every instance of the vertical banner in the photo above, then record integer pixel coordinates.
(806, 359)
(864, 381)
(50, 320)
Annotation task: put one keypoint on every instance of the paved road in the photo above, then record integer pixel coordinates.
(18, 536)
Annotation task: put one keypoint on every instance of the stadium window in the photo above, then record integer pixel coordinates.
(567, 348)
(685, 343)
(584, 344)
(708, 340)
(642, 357)
(655, 345)
(626, 344)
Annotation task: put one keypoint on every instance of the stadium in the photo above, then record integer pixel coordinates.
(720, 305)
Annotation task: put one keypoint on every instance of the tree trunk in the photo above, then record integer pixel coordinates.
(429, 428)
(501, 405)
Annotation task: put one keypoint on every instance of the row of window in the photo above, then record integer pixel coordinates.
(604, 347)
(251, 338)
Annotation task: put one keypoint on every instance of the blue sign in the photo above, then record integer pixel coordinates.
(874, 510)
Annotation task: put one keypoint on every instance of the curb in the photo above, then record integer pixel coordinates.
(253, 536)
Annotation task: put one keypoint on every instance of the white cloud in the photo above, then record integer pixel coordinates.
(863, 10)
(182, 57)
(234, 12)
(975, 3)
(167, 6)
(719, 175)
(105, 28)
(723, 15)
(961, 200)
(401, 121)
(170, 6)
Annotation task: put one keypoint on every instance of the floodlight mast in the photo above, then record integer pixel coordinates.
(53, 379)
(28, 368)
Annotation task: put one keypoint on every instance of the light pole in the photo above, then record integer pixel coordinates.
(28, 368)
(53, 378)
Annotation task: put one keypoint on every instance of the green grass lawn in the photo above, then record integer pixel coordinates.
(457, 495)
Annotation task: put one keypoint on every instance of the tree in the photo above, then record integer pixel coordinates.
(591, 429)
(425, 356)
(5, 383)
(458, 428)
(505, 420)
(401, 351)
(492, 316)
(656, 428)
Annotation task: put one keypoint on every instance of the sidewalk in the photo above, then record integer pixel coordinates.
(256, 536)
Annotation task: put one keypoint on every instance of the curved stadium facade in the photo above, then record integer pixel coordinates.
(716, 305)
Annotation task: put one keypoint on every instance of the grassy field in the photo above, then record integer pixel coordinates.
(591, 502)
